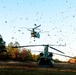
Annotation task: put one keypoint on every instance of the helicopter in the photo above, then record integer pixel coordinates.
(2, 45)
(45, 58)
(34, 33)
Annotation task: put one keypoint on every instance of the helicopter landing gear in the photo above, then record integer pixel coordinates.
(45, 62)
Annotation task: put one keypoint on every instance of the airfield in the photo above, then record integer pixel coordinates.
(27, 68)
(17, 64)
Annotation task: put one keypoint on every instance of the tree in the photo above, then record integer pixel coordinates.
(13, 53)
(9, 47)
(35, 57)
(2, 45)
(57, 60)
(74, 57)
(23, 54)
(28, 55)
(16, 43)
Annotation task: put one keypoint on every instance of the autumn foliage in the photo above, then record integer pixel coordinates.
(17, 54)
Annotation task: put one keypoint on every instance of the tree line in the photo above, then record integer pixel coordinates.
(17, 54)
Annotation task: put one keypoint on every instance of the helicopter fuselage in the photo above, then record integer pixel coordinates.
(35, 34)
(45, 59)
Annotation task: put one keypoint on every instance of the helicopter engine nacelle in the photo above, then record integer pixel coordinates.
(50, 54)
(41, 54)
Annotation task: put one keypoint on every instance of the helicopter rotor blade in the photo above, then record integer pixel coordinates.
(56, 49)
(27, 46)
(29, 30)
(23, 27)
(37, 26)
(43, 31)
(39, 45)
(58, 45)
(26, 28)
(63, 55)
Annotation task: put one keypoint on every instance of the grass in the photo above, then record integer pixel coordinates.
(35, 71)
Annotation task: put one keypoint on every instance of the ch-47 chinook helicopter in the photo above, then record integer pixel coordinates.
(34, 33)
(45, 59)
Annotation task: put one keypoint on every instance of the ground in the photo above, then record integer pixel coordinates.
(31, 68)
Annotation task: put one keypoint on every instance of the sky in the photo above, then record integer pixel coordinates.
(56, 16)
